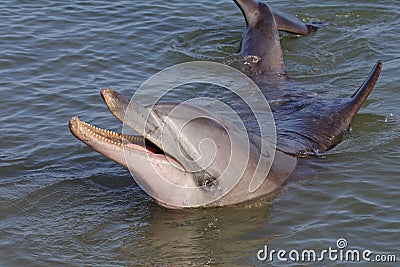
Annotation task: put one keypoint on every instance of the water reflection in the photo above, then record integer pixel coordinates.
(200, 236)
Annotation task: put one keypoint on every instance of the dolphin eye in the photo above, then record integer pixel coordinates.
(208, 183)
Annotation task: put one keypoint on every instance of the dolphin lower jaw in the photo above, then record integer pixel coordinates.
(104, 142)
(149, 160)
(162, 176)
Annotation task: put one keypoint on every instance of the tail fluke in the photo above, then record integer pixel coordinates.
(291, 24)
(249, 9)
(284, 21)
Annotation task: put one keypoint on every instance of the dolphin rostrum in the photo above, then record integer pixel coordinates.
(169, 157)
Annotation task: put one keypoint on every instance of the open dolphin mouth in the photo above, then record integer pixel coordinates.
(159, 173)
(91, 134)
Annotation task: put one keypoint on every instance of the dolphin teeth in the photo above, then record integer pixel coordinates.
(102, 134)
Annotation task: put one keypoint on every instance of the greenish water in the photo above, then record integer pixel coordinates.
(63, 204)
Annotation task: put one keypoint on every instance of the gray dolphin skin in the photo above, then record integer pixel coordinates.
(167, 148)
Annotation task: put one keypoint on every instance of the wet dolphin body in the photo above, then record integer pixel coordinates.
(167, 148)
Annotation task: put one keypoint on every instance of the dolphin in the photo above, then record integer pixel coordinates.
(176, 168)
